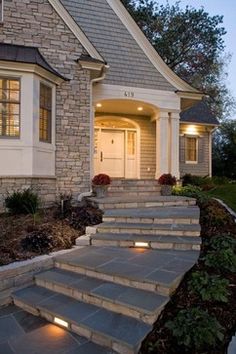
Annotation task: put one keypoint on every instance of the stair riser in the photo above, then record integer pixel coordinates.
(99, 301)
(147, 231)
(140, 182)
(152, 245)
(95, 337)
(132, 220)
(134, 188)
(161, 289)
(120, 205)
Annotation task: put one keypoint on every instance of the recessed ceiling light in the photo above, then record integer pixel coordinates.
(140, 109)
(99, 105)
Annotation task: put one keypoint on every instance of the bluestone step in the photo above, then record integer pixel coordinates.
(149, 201)
(153, 270)
(167, 215)
(150, 229)
(154, 242)
(121, 333)
(140, 304)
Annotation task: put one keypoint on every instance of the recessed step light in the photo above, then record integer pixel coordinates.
(61, 322)
(142, 244)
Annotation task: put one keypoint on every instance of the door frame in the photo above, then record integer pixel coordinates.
(135, 128)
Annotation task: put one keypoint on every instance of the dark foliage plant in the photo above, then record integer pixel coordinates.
(22, 202)
(167, 179)
(101, 180)
(209, 287)
(38, 241)
(222, 259)
(195, 329)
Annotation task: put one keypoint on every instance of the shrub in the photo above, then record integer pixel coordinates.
(199, 181)
(209, 287)
(195, 329)
(222, 259)
(220, 180)
(85, 215)
(39, 241)
(167, 179)
(191, 192)
(22, 202)
(222, 242)
(101, 180)
(215, 215)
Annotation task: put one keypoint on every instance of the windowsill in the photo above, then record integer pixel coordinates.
(191, 162)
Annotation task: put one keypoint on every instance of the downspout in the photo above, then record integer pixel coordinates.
(92, 82)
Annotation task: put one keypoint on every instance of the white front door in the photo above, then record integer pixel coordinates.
(110, 157)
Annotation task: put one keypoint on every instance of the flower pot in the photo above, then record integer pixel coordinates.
(100, 190)
(166, 190)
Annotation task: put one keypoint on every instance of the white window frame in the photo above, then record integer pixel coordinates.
(197, 144)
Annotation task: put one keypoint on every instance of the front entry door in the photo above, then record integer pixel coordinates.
(112, 152)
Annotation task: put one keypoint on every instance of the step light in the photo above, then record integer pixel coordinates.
(141, 244)
(61, 322)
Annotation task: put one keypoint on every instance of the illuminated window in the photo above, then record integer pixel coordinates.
(191, 149)
(9, 107)
(45, 121)
(1, 10)
(131, 143)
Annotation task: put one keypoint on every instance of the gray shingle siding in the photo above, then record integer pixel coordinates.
(129, 66)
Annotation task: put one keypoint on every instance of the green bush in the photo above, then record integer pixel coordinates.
(22, 202)
(209, 287)
(198, 181)
(191, 192)
(222, 259)
(196, 329)
(220, 180)
(222, 242)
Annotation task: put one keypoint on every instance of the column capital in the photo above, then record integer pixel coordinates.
(175, 115)
(163, 115)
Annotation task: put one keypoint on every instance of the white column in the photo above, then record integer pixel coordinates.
(174, 145)
(162, 144)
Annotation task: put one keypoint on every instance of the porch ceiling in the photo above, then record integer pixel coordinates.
(131, 107)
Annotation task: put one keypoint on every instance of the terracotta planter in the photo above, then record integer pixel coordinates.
(166, 190)
(100, 190)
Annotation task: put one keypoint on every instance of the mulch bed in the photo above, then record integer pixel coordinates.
(215, 221)
(64, 229)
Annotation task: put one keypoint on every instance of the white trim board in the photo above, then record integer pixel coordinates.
(147, 48)
(75, 29)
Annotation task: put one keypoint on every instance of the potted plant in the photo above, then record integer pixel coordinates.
(167, 181)
(100, 184)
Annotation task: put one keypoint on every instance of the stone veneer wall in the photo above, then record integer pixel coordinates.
(45, 187)
(35, 23)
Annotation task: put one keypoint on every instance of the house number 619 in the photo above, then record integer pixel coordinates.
(129, 94)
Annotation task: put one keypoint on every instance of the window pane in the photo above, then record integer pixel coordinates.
(45, 113)
(191, 149)
(9, 107)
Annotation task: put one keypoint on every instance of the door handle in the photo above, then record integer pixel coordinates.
(101, 156)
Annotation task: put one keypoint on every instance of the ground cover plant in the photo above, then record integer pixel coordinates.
(26, 232)
(201, 315)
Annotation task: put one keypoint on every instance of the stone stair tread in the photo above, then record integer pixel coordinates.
(154, 226)
(136, 199)
(144, 301)
(150, 266)
(156, 212)
(147, 238)
(115, 327)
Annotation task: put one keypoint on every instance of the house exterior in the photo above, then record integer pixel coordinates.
(82, 91)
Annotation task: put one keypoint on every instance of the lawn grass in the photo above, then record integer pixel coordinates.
(225, 192)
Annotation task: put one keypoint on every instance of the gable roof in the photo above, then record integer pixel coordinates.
(27, 55)
(109, 28)
(200, 113)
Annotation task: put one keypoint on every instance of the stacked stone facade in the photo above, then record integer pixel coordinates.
(36, 23)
